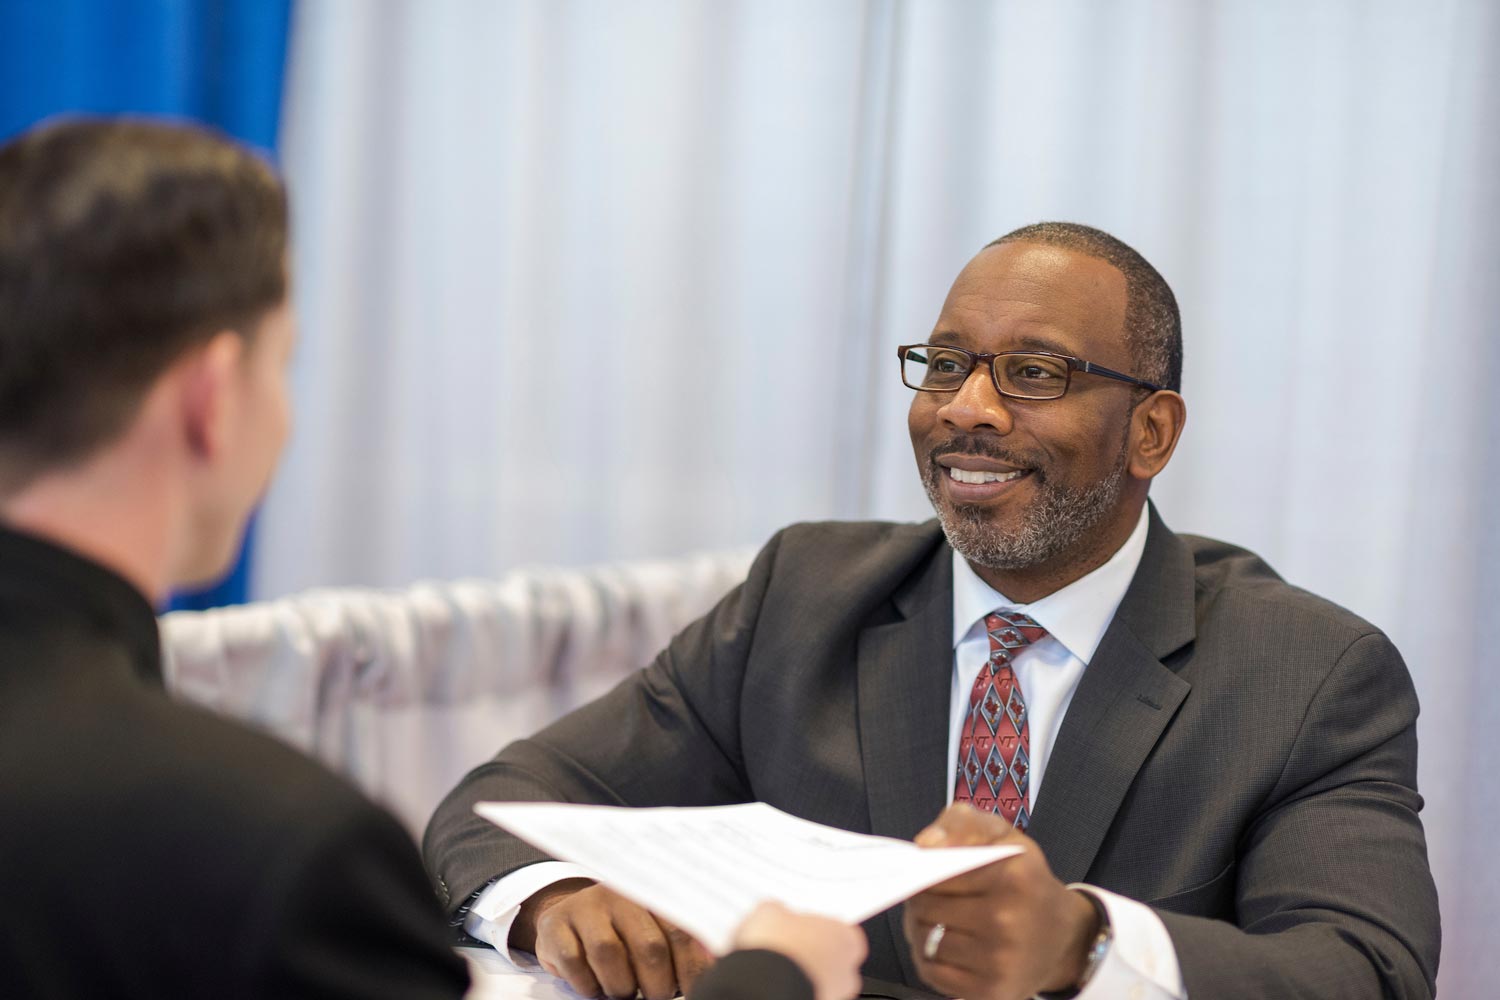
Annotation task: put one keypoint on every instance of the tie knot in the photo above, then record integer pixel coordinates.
(1009, 629)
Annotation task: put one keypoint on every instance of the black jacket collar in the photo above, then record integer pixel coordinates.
(45, 585)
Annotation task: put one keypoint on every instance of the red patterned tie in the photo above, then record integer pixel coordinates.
(994, 746)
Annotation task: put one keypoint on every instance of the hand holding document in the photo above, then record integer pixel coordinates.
(705, 869)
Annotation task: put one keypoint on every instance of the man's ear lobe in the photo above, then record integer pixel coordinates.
(1158, 426)
(209, 376)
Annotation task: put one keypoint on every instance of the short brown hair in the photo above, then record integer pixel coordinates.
(1153, 325)
(123, 243)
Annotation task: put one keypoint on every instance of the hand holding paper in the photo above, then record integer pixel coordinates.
(705, 869)
(829, 952)
(1020, 931)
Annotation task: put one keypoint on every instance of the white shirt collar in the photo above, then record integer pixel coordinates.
(1076, 616)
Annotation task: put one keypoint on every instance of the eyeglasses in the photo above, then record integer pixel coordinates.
(1017, 374)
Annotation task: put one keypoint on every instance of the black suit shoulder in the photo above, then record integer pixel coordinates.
(1306, 832)
(1256, 631)
(172, 852)
(857, 547)
(337, 903)
(1233, 580)
(846, 569)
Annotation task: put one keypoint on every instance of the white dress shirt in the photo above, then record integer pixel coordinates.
(1141, 962)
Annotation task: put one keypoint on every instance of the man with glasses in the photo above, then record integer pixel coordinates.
(1212, 773)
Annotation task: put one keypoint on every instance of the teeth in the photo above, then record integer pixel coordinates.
(977, 478)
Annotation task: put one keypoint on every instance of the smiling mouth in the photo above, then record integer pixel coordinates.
(981, 477)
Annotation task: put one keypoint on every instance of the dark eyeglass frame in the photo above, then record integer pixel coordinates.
(1073, 365)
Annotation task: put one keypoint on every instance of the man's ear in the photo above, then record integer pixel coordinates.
(1156, 425)
(210, 377)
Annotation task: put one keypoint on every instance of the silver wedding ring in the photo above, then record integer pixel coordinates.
(934, 940)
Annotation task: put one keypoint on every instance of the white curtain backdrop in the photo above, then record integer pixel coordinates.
(585, 281)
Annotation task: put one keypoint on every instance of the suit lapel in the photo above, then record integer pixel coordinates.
(905, 680)
(1123, 703)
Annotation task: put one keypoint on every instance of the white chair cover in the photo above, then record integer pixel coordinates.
(404, 691)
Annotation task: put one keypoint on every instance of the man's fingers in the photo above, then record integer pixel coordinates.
(952, 968)
(959, 948)
(601, 942)
(961, 825)
(974, 928)
(560, 952)
(649, 952)
(606, 954)
(948, 981)
(689, 957)
(932, 836)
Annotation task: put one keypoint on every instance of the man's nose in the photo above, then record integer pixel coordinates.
(977, 405)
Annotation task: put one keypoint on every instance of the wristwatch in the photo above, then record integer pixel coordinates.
(1096, 952)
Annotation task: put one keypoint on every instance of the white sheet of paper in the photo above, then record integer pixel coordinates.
(706, 868)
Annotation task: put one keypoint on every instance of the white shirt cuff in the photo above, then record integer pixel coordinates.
(1141, 962)
(490, 918)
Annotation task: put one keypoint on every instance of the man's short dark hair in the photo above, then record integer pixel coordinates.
(1153, 326)
(123, 243)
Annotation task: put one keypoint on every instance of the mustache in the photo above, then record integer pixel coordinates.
(981, 447)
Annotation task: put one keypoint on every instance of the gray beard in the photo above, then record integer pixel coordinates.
(1059, 519)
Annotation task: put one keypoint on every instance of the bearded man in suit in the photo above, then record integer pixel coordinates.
(1212, 773)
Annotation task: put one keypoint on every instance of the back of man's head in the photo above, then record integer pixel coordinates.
(123, 243)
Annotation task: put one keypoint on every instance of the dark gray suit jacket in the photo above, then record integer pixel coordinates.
(1239, 754)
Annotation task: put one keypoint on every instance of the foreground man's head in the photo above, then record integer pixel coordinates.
(146, 336)
(152, 848)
